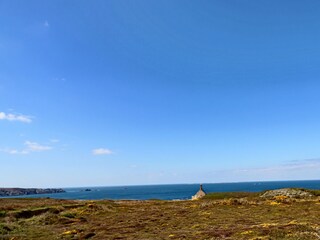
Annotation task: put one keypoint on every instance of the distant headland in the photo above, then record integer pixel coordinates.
(28, 191)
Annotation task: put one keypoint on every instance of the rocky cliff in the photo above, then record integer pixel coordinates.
(27, 191)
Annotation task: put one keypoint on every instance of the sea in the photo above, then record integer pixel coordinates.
(169, 191)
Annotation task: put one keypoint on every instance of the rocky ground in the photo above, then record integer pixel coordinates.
(217, 216)
(288, 192)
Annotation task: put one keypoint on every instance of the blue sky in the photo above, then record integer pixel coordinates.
(148, 92)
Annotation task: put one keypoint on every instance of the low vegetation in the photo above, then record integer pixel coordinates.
(217, 216)
(226, 195)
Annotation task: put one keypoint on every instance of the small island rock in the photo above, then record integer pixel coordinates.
(200, 194)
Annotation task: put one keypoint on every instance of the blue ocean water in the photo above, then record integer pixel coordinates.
(171, 192)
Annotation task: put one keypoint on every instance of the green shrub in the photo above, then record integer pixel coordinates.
(3, 213)
(314, 192)
(4, 229)
(69, 215)
(226, 195)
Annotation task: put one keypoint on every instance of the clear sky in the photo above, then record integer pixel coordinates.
(111, 92)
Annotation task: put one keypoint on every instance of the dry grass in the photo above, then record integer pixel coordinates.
(231, 217)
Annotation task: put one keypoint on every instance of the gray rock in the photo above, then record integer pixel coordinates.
(288, 192)
(200, 194)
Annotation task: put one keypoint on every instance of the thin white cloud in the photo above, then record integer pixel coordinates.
(101, 151)
(54, 140)
(15, 117)
(60, 79)
(29, 147)
(36, 147)
(14, 151)
(46, 24)
(295, 165)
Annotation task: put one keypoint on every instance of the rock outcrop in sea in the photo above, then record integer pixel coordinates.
(28, 191)
(200, 194)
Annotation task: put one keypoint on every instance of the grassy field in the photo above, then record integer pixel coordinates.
(217, 216)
